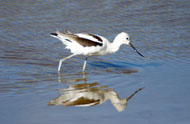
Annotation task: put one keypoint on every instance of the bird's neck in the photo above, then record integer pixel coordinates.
(114, 46)
(118, 103)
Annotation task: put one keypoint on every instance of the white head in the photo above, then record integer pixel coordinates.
(123, 38)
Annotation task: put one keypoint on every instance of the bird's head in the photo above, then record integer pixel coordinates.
(124, 39)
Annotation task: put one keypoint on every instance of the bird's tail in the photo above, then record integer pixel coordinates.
(61, 36)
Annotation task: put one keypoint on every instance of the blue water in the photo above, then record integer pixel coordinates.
(29, 59)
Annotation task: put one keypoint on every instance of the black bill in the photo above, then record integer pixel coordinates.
(131, 45)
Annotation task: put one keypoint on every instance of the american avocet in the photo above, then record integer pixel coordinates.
(91, 44)
(90, 94)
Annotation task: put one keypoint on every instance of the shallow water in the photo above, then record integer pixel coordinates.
(29, 59)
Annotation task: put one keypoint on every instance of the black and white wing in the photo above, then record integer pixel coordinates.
(89, 40)
(84, 39)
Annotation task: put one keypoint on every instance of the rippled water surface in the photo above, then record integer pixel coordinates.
(29, 59)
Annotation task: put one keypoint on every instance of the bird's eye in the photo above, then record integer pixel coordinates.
(127, 38)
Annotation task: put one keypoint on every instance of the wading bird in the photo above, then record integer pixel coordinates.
(91, 44)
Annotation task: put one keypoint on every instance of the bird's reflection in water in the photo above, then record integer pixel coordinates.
(90, 94)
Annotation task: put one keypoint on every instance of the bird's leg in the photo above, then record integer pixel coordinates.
(84, 76)
(62, 60)
(84, 66)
